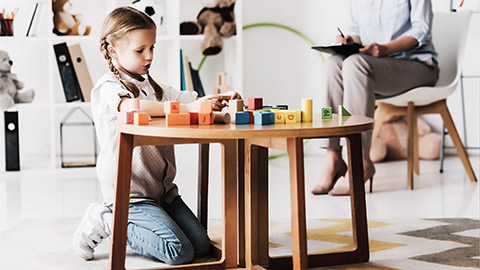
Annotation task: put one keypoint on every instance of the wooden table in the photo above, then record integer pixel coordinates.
(256, 139)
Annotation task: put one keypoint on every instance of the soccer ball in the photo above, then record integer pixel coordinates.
(152, 8)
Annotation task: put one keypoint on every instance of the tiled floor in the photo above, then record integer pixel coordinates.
(67, 193)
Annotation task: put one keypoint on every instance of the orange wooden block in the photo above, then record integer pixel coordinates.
(177, 119)
(206, 107)
(171, 107)
(141, 118)
(204, 118)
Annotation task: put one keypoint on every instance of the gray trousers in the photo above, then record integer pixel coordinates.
(354, 82)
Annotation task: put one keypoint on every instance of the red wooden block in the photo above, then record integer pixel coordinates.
(255, 103)
(177, 119)
(141, 118)
(171, 107)
(193, 118)
(204, 119)
(251, 117)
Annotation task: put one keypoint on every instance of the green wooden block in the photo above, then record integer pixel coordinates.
(342, 111)
(327, 113)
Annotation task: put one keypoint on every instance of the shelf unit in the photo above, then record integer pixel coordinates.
(35, 65)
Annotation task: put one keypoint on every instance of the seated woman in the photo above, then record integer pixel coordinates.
(398, 55)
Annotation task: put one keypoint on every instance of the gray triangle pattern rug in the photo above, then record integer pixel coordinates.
(447, 243)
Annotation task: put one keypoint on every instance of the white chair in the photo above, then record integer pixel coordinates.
(449, 32)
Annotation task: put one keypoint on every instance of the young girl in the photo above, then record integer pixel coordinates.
(160, 224)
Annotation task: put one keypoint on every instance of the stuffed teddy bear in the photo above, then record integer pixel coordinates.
(391, 142)
(65, 23)
(215, 20)
(10, 86)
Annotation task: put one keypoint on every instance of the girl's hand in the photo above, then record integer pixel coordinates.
(219, 101)
(374, 49)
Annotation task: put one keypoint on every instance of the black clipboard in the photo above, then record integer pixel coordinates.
(343, 49)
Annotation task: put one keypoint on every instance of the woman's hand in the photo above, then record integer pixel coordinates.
(346, 39)
(374, 49)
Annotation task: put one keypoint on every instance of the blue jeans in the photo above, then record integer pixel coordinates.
(171, 233)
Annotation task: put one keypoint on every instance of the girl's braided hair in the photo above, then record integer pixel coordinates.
(117, 24)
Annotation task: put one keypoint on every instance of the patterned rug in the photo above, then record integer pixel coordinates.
(394, 244)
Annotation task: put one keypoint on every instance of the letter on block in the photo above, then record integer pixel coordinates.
(193, 118)
(327, 113)
(177, 119)
(204, 118)
(235, 105)
(141, 118)
(290, 117)
(172, 107)
(280, 117)
(307, 110)
(342, 111)
(242, 118)
(125, 118)
(206, 107)
(255, 103)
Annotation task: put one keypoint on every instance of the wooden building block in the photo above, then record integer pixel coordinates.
(281, 107)
(327, 113)
(255, 103)
(206, 107)
(221, 86)
(204, 119)
(299, 115)
(263, 118)
(342, 111)
(279, 117)
(235, 105)
(171, 107)
(177, 119)
(141, 118)
(307, 110)
(290, 117)
(250, 117)
(125, 117)
(193, 118)
(242, 118)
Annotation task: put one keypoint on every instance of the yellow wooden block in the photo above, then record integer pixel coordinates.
(177, 119)
(141, 118)
(299, 115)
(291, 117)
(279, 117)
(307, 110)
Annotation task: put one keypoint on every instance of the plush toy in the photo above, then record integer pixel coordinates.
(215, 20)
(391, 142)
(152, 8)
(9, 85)
(65, 23)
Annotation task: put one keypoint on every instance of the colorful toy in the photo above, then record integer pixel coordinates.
(171, 107)
(193, 118)
(342, 112)
(66, 23)
(221, 117)
(255, 104)
(177, 119)
(125, 118)
(327, 113)
(279, 117)
(204, 118)
(235, 105)
(307, 114)
(263, 118)
(290, 117)
(242, 118)
(206, 107)
(141, 118)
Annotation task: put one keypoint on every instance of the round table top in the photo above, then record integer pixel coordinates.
(337, 126)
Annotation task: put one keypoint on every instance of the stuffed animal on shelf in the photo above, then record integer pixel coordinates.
(65, 23)
(152, 8)
(9, 85)
(391, 143)
(215, 20)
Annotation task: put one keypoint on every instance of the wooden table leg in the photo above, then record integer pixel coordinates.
(357, 199)
(202, 195)
(121, 202)
(241, 202)
(230, 202)
(256, 209)
(297, 196)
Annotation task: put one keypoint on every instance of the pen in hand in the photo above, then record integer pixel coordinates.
(340, 32)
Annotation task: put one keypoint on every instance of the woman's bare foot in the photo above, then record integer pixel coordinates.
(343, 186)
(334, 168)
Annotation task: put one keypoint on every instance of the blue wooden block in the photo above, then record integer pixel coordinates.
(242, 118)
(264, 118)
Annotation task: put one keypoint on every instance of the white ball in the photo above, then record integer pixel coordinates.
(152, 8)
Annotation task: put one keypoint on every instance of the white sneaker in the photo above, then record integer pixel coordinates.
(92, 230)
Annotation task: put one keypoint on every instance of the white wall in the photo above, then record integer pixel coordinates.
(281, 67)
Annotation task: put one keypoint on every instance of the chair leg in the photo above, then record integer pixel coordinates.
(380, 115)
(442, 153)
(410, 142)
(416, 156)
(447, 120)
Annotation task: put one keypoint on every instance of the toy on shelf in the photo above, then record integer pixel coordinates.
(221, 86)
(66, 23)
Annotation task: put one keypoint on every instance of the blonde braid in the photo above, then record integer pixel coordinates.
(129, 85)
(158, 89)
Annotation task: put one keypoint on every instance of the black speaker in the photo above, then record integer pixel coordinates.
(71, 87)
(12, 151)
